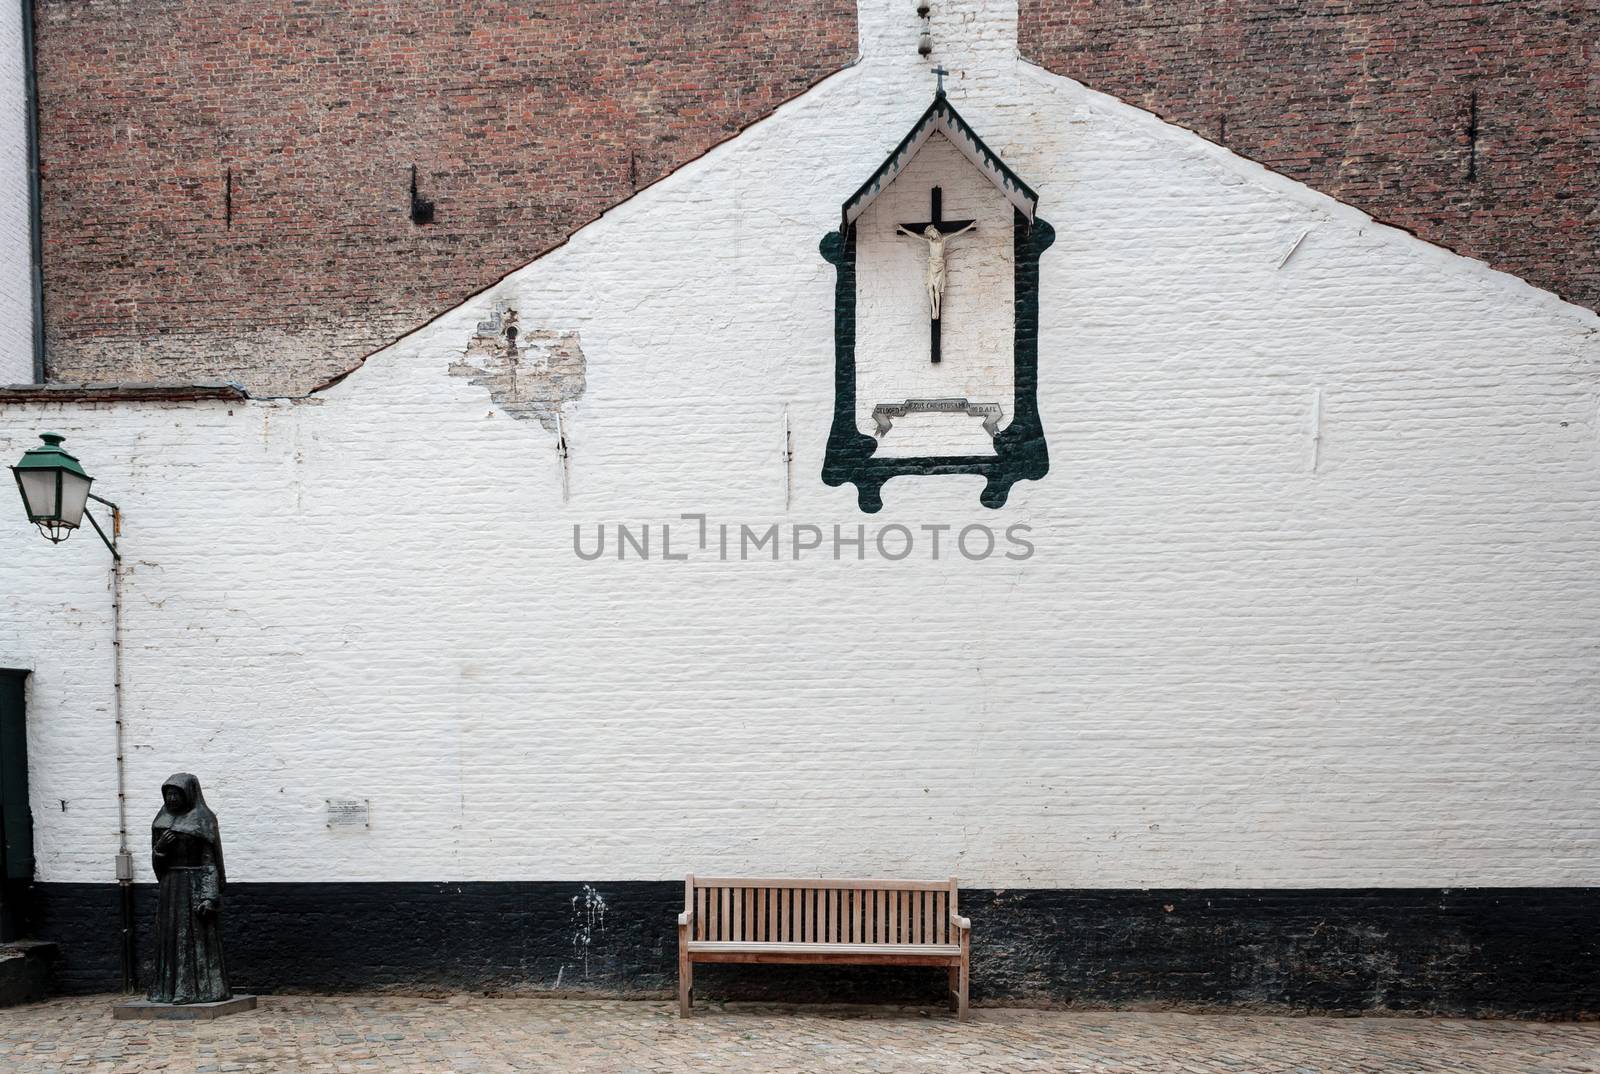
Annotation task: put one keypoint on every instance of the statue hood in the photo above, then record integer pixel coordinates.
(195, 819)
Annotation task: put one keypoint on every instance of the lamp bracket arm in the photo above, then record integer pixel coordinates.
(116, 515)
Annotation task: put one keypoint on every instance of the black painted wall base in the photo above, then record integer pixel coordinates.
(1531, 952)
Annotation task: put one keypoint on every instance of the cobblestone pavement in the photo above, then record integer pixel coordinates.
(476, 1035)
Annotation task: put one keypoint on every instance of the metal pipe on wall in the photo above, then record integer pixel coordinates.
(124, 855)
(124, 860)
(30, 80)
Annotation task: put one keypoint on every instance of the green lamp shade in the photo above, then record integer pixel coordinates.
(54, 488)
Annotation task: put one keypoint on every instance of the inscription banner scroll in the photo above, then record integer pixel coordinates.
(885, 413)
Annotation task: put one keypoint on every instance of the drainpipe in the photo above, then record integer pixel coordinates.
(30, 81)
(124, 855)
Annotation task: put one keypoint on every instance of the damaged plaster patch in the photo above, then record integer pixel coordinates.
(529, 374)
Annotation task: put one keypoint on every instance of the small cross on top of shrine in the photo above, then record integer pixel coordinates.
(940, 72)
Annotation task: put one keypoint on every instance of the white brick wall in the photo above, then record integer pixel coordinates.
(1221, 667)
(16, 286)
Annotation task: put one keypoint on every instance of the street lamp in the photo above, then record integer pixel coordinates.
(55, 493)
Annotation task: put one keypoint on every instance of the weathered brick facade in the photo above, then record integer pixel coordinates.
(228, 187)
(1475, 125)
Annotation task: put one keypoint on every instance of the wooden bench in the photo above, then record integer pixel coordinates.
(823, 923)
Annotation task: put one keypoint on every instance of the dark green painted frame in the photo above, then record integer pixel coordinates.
(1020, 450)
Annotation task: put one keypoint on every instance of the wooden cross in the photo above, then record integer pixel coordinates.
(940, 72)
(945, 227)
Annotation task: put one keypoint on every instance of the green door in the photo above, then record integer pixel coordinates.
(16, 819)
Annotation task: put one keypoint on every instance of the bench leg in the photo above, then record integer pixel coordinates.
(960, 977)
(685, 982)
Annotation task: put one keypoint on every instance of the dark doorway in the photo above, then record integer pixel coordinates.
(16, 819)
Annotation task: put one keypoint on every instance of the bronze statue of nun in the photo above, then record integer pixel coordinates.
(187, 856)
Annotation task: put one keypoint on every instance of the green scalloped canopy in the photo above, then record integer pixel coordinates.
(941, 116)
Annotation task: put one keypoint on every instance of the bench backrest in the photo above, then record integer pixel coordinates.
(749, 910)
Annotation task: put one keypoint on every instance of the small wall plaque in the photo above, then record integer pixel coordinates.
(349, 812)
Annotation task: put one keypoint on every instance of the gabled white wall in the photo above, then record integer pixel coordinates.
(1250, 648)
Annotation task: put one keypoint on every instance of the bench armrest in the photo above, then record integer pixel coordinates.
(684, 919)
(961, 922)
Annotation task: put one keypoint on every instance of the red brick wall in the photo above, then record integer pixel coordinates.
(524, 120)
(1372, 102)
(527, 120)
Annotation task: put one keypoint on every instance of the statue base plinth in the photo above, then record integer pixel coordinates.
(188, 1012)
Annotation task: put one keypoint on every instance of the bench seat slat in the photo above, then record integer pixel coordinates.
(865, 949)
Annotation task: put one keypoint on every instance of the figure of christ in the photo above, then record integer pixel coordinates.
(936, 268)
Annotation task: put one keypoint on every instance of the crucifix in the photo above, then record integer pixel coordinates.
(936, 233)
